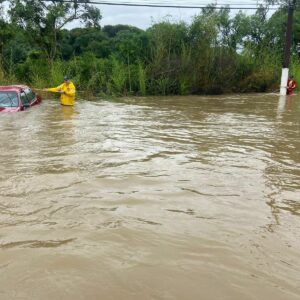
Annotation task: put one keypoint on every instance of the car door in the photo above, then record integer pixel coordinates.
(31, 96)
(24, 99)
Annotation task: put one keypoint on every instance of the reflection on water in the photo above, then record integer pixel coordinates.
(281, 104)
(67, 112)
(151, 198)
(286, 103)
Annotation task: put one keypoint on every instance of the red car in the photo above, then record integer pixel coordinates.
(15, 98)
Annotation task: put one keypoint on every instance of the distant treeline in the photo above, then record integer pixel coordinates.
(218, 52)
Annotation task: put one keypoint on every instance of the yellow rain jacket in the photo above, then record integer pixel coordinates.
(68, 95)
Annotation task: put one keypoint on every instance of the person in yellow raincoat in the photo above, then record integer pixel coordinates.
(67, 91)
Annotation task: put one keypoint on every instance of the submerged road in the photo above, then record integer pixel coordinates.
(152, 198)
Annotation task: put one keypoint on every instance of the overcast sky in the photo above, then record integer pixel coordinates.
(141, 17)
(144, 17)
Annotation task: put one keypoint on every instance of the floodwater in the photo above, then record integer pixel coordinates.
(152, 198)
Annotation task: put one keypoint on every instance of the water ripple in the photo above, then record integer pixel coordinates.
(36, 244)
(195, 189)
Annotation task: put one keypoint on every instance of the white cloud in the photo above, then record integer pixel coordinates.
(141, 17)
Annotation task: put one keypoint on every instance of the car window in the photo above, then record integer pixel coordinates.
(9, 99)
(24, 98)
(30, 95)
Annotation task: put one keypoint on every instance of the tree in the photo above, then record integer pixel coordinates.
(283, 2)
(112, 30)
(91, 17)
(86, 40)
(1, 10)
(43, 22)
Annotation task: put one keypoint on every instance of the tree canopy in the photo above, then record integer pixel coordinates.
(43, 22)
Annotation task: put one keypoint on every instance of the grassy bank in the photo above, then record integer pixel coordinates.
(112, 77)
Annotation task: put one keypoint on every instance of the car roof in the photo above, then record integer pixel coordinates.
(15, 88)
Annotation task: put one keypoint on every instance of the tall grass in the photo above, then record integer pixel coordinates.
(222, 72)
(118, 77)
(58, 70)
(2, 75)
(7, 75)
(186, 70)
(142, 79)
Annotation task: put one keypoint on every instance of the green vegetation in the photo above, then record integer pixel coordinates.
(217, 53)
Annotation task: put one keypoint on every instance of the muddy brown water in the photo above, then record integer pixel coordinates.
(152, 198)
